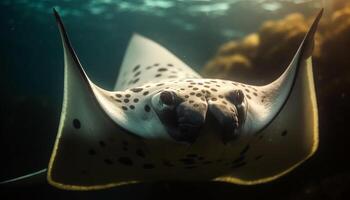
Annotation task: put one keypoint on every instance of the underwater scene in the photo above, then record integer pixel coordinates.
(144, 99)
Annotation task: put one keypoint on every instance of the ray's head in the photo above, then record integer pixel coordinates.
(179, 112)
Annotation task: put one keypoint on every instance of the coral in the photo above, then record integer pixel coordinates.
(264, 54)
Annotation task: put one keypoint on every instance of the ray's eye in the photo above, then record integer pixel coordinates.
(236, 97)
(168, 98)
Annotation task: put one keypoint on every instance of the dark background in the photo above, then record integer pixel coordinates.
(31, 78)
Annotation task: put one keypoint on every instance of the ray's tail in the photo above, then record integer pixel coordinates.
(28, 179)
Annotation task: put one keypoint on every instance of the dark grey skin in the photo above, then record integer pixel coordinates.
(184, 119)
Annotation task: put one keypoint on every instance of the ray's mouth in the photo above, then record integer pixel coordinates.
(183, 123)
(184, 120)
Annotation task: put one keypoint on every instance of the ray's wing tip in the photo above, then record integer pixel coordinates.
(318, 17)
(308, 42)
(315, 23)
(55, 13)
(321, 12)
(58, 18)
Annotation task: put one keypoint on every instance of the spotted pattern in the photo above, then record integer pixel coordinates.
(76, 124)
(284, 133)
(141, 73)
(196, 92)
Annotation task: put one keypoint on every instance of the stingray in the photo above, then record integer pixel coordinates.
(164, 122)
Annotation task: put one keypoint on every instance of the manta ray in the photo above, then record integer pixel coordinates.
(164, 122)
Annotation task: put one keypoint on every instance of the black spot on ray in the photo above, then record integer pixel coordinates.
(76, 124)
(246, 148)
(137, 73)
(136, 68)
(284, 133)
(102, 143)
(125, 161)
(136, 90)
(162, 69)
(140, 153)
(135, 81)
(238, 160)
(147, 108)
(238, 165)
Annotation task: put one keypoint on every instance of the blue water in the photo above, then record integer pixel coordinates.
(100, 30)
